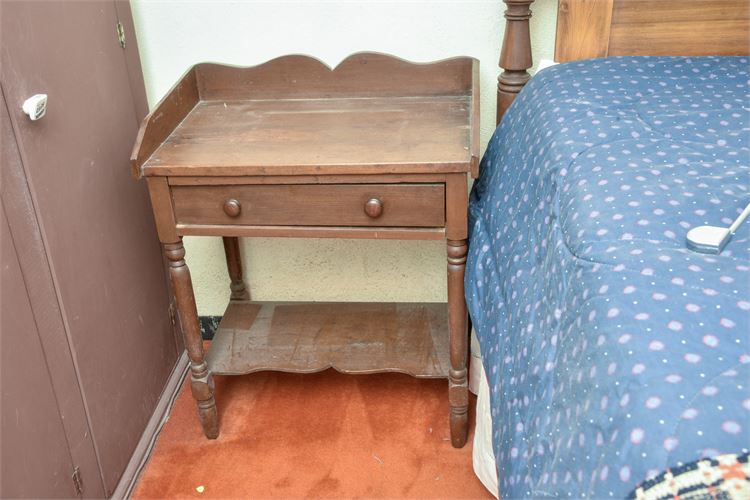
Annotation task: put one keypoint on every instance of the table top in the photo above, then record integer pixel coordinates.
(280, 135)
(208, 128)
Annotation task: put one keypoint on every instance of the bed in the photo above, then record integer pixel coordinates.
(611, 352)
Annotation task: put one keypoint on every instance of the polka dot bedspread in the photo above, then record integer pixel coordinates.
(612, 351)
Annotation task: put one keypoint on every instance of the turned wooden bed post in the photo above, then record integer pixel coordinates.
(515, 57)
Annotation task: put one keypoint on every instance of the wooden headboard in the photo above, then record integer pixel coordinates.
(600, 28)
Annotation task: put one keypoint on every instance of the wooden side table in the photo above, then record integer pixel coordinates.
(376, 148)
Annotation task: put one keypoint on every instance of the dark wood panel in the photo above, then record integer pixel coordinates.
(457, 191)
(359, 75)
(161, 122)
(350, 337)
(676, 11)
(448, 167)
(219, 180)
(598, 28)
(417, 205)
(375, 233)
(474, 122)
(515, 55)
(583, 28)
(295, 116)
(680, 28)
(162, 203)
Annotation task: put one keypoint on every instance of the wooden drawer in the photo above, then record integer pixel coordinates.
(402, 205)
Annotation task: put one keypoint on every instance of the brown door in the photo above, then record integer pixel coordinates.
(94, 221)
(30, 424)
(45, 431)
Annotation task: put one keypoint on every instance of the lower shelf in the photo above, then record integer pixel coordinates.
(306, 337)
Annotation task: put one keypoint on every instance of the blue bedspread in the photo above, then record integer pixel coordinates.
(612, 351)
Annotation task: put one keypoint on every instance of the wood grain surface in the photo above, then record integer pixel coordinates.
(359, 75)
(372, 233)
(350, 337)
(583, 28)
(599, 28)
(680, 28)
(320, 136)
(160, 123)
(515, 55)
(216, 180)
(294, 115)
(415, 205)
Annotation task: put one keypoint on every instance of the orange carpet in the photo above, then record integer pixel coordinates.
(317, 435)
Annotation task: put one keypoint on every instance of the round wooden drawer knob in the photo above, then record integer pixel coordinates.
(374, 208)
(232, 207)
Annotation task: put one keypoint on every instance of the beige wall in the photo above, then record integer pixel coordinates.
(173, 35)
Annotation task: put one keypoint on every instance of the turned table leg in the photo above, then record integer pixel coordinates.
(234, 266)
(458, 386)
(201, 381)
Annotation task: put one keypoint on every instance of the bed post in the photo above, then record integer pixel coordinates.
(515, 57)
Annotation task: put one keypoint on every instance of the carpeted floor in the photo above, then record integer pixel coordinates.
(318, 435)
